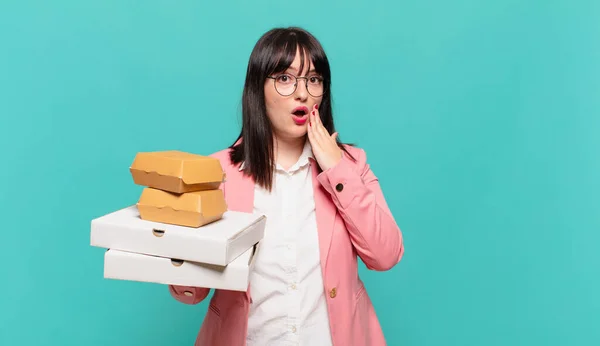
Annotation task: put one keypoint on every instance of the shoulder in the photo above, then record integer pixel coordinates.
(221, 154)
(224, 157)
(358, 155)
(354, 150)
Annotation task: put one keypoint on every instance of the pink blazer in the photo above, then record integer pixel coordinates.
(353, 220)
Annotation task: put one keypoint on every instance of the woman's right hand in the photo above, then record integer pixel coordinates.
(189, 294)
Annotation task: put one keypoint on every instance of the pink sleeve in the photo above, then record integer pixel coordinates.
(356, 192)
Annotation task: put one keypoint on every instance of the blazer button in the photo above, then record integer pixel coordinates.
(339, 187)
(333, 293)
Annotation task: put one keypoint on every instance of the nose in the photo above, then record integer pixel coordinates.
(301, 92)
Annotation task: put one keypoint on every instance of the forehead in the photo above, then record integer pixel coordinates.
(302, 63)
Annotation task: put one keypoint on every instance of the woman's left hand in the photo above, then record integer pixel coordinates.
(324, 146)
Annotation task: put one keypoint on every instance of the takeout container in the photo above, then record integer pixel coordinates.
(217, 243)
(176, 171)
(121, 265)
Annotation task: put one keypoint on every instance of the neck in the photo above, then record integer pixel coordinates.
(287, 151)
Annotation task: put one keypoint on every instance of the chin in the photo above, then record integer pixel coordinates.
(297, 133)
(301, 132)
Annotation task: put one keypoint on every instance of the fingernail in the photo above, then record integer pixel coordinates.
(313, 112)
(316, 106)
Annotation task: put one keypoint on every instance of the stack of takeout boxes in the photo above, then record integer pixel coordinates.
(180, 232)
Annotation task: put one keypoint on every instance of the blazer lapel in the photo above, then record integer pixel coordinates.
(325, 213)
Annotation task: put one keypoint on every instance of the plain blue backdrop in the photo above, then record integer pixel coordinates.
(481, 119)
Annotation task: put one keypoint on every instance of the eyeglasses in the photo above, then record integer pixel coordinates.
(286, 84)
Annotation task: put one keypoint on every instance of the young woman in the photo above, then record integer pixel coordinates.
(324, 208)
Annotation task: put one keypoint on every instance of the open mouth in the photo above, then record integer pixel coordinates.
(300, 115)
(300, 112)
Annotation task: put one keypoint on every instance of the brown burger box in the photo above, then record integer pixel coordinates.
(191, 209)
(177, 171)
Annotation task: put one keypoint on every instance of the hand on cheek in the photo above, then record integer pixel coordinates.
(324, 146)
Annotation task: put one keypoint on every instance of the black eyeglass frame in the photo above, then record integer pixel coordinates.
(274, 78)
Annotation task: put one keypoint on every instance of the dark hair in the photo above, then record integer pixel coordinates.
(274, 52)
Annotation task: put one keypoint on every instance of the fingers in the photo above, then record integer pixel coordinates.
(317, 115)
(324, 145)
(321, 130)
(317, 124)
(314, 135)
(311, 137)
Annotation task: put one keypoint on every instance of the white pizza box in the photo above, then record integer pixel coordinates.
(218, 243)
(129, 266)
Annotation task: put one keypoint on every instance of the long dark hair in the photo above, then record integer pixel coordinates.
(274, 52)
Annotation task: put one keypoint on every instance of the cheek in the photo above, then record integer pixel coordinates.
(271, 101)
(275, 107)
(274, 113)
(272, 106)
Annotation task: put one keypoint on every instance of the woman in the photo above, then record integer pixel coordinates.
(324, 207)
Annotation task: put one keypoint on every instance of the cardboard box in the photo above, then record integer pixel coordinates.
(177, 171)
(191, 209)
(217, 243)
(122, 265)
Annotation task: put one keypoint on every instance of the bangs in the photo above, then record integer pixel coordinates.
(284, 52)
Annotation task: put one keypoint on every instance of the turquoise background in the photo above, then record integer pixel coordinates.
(481, 120)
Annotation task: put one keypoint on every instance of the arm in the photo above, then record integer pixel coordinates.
(356, 192)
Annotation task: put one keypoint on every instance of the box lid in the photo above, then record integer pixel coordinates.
(219, 242)
(123, 265)
(151, 169)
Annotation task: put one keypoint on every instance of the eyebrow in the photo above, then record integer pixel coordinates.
(295, 69)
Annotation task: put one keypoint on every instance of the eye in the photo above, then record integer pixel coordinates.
(285, 79)
(315, 80)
